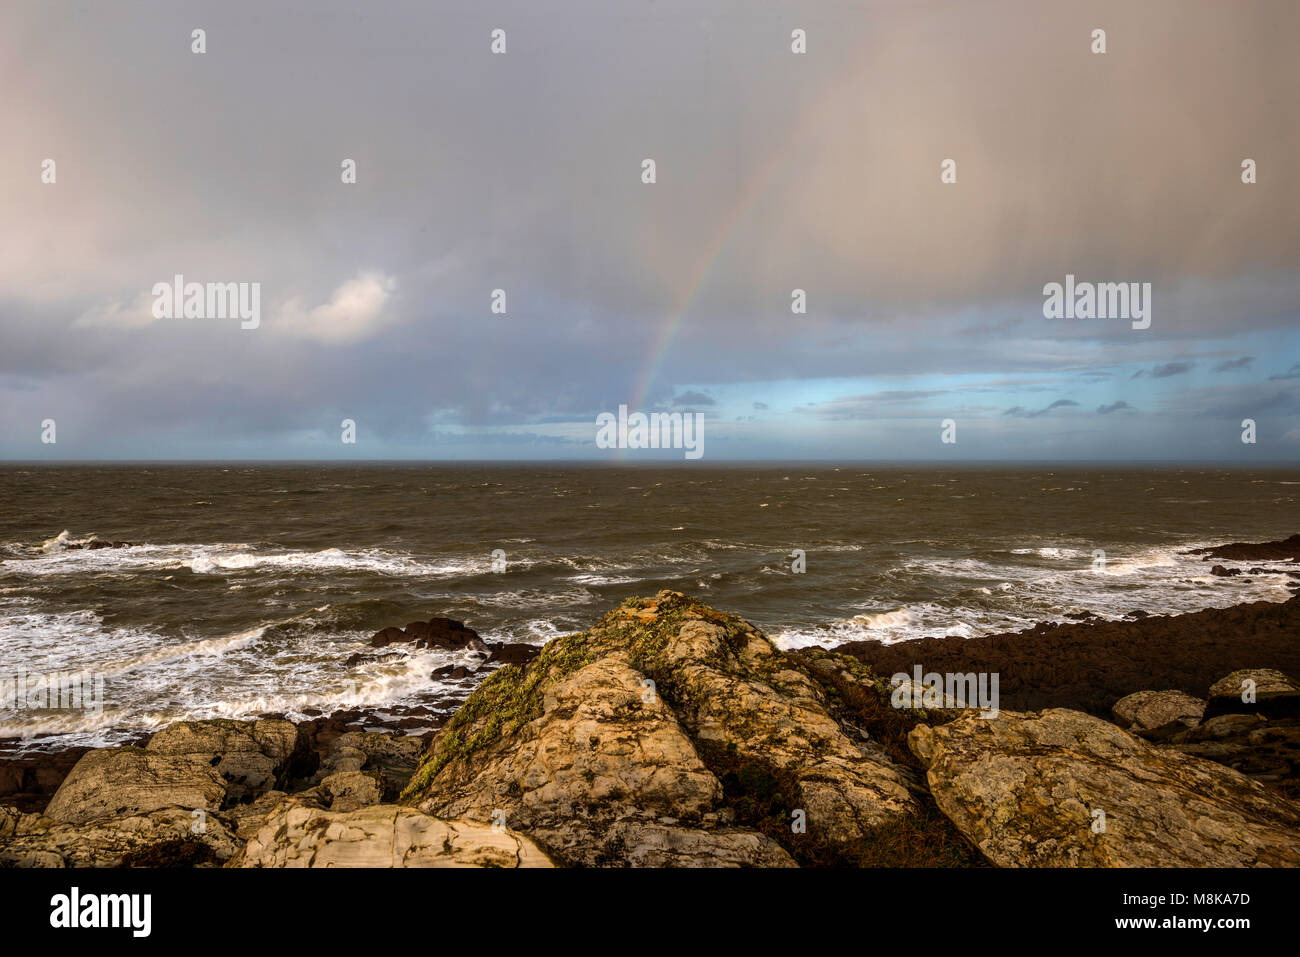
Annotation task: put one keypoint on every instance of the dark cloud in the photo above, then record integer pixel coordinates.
(1165, 370)
(692, 398)
(1021, 411)
(1113, 407)
(522, 172)
(1292, 373)
(1228, 365)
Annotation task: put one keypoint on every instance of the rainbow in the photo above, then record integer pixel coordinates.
(755, 188)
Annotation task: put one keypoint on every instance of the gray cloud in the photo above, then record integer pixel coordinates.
(1165, 370)
(692, 398)
(1022, 411)
(1228, 365)
(522, 172)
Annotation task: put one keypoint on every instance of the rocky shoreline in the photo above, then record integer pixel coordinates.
(674, 734)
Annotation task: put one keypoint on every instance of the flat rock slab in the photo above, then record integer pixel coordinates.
(1026, 789)
(383, 835)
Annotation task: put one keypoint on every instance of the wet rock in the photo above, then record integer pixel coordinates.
(435, 633)
(513, 653)
(1224, 572)
(1288, 549)
(388, 636)
(361, 658)
(1025, 788)
(94, 545)
(450, 673)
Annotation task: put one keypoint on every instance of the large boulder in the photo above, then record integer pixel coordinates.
(435, 633)
(1061, 788)
(1264, 691)
(196, 783)
(1153, 712)
(612, 747)
(252, 757)
(120, 782)
(383, 835)
(162, 836)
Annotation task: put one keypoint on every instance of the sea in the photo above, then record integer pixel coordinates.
(245, 588)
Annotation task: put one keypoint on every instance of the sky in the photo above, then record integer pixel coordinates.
(522, 171)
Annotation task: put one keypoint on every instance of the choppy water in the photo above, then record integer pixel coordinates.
(250, 586)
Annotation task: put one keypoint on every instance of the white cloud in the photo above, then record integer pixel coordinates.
(133, 314)
(354, 312)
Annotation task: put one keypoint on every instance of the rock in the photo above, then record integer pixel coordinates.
(450, 673)
(251, 756)
(383, 835)
(1275, 694)
(1090, 667)
(440, 633)
(246, 819)
(360, 658)
(1263, 749)
(1155, 711)
(40, 841)
(434, 633)
(513, 653)
(202, 765)
(388, 636)
(390, 758)
(120, 782)
(1223, 726)
(1224, 572)
(658, 845)
(614, 728)
(1024, 789)
(1286, 549)
(349, 790)
(29, 779)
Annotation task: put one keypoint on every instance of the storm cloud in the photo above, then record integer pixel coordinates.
(521, 174)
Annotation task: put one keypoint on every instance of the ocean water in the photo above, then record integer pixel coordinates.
(246, 588)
